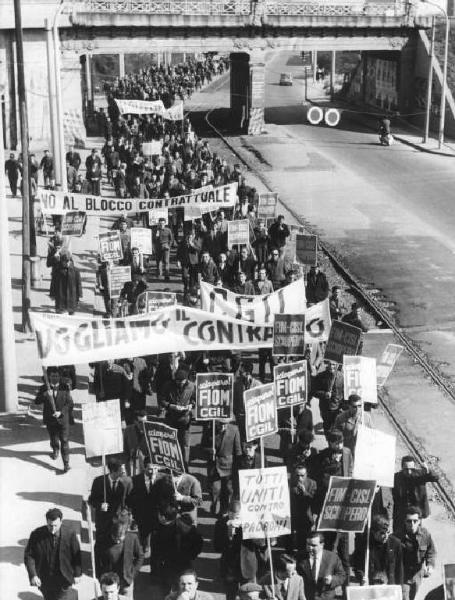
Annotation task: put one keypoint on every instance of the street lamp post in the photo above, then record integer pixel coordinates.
(58, 90)
(442, 108)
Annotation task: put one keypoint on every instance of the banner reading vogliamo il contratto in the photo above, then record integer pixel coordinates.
(64, 339)
(56, 203)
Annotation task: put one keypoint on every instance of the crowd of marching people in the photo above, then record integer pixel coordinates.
(144, 513)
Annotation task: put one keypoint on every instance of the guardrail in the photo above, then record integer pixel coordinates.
(247, 7)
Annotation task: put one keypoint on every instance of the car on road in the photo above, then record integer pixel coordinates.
(285, 79)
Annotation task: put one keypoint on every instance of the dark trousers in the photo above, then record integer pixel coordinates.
(13, 184)
(56, 590)
(222, 490)
(162, 256)
(58, 436)
(265, 354)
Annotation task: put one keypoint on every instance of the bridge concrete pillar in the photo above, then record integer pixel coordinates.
(71, 83)
(257, 93)
(240, 83)
(248, 90)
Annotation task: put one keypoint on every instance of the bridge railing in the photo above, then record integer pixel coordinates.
(247, 7)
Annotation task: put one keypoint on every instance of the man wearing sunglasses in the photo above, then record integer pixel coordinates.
(419, 552)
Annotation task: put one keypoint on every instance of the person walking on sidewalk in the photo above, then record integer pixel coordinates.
(53, 558)
(57, 414)
(12, 169)
(67, 285)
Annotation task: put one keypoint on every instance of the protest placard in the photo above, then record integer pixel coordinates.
(343, 339)
(375, 592)
(260, 411)
(214, 393)
(152, 148)
(164, 446)
(149, 302)
(73, 223)
(56, 202)
(238, 233)
(386, 363)
(289, 335)
(66, 340)
(264, 499)
(267, 205)
(346, 505)
(375, 453)
(110, 246)
(256, 309)
(448, 574)
(157, 214)
(317, 322)
(46, 224)
(102, 426)
(117, 278)
(290, 383)
(306, 249)
(359, 374)
(290, 248)
(141, 237)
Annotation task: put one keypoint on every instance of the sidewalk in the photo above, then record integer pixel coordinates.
(404, 132)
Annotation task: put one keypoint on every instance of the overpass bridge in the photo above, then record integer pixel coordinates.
(245, 29)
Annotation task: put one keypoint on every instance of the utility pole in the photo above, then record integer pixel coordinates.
(8, 373)
(26, 264)
(429, 85)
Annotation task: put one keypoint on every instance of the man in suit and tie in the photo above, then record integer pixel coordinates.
(143, 502)
(220, 471)
(53, 557)
(107, 497)
(321, 569)
(288, 584)
(57, 414)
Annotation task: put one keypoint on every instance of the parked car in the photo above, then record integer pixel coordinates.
(285, 79)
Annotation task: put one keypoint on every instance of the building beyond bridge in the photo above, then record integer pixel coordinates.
(170, 30)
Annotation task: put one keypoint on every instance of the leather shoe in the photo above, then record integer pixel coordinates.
(66, 468)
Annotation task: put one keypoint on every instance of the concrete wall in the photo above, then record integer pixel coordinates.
(36, 86)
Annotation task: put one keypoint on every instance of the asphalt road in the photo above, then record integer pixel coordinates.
(390, 211)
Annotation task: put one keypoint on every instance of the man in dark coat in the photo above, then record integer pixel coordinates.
(278, 233)
(73, 158)
(57, 414)
(317, 286)
(409, 489)
(12, 169)
(120, 553)
(321, 569)
(108, 498)
(143, 502)
(67, 285)
(302, 494)
(220, 470)
(385, 564)
(53, 557)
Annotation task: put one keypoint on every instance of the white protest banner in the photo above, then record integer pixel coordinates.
(55, 202)
(264, 499)
(110, 246)
(141, 238)
(260, 411)
(102, 426)
(64, 339)
(152, 148)
(157, 214)
(214, 394)
(175, 113)
(257, 309)
(386, 363)
(164, 447)
(238, 233)
(359, 374)
(375, 454)
(290, 383)
(140, 107)
(375, 592)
